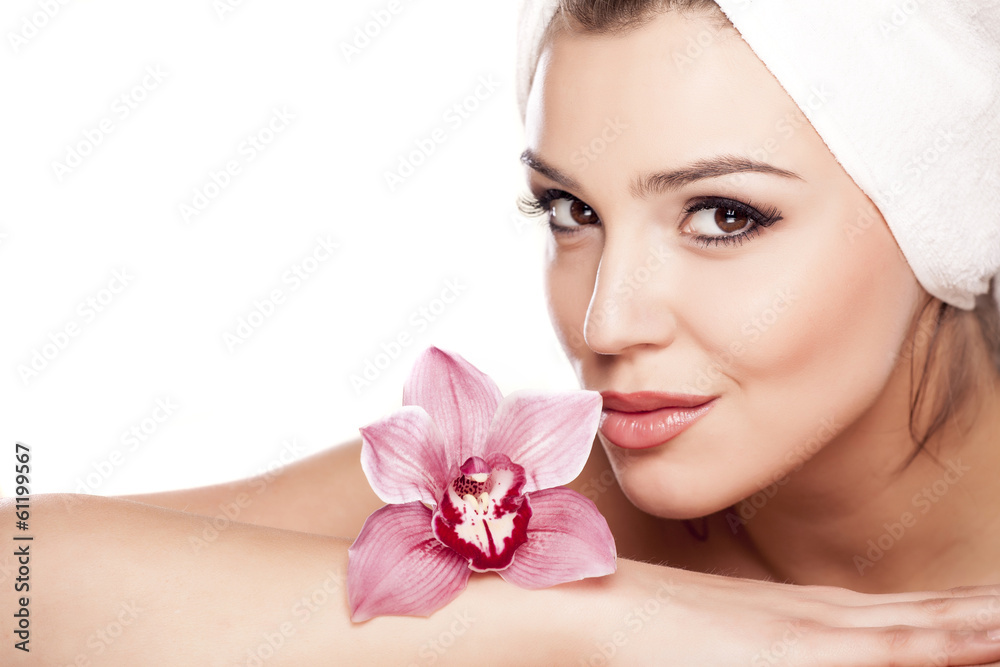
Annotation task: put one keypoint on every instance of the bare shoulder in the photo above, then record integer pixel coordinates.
(325, 493)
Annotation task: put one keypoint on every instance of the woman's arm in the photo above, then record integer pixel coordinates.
(118, 582)
(326, 494)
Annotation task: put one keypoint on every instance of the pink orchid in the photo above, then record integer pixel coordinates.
(469, 476)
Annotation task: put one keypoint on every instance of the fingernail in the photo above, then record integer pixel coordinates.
(993, 634)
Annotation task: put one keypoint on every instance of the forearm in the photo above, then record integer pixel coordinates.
(328, 494)
(117, 582)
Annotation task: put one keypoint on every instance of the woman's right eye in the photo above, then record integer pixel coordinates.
(563, 212)
(569, 213)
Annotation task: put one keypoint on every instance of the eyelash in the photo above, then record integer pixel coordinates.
(537, 206)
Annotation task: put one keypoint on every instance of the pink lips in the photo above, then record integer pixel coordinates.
(646, 419)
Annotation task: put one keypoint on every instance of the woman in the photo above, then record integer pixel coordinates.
(732, 269)
(650, 282)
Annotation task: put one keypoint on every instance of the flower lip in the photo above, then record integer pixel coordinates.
(646, 401)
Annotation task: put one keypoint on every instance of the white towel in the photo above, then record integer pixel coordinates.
(912, 114)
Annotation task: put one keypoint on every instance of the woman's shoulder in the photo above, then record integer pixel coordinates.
(325, 493)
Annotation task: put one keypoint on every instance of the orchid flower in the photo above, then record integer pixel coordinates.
(469, 476)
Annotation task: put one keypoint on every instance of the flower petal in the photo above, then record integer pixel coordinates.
(568, 540)
(403, 457)
(460, 399)
(549, 434)
(397, 567)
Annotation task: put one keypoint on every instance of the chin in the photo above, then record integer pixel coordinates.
(668, 490)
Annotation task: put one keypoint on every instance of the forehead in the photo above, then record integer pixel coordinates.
(677, 89)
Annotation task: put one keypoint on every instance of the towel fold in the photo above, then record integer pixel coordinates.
(911, 110)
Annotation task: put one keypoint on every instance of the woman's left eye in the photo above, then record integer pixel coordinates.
(720, 220)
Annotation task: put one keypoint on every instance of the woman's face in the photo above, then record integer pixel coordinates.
(707, 243)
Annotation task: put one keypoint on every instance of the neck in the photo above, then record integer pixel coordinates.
(858, 516)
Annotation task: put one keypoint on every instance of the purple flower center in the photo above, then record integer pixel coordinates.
(482, 514)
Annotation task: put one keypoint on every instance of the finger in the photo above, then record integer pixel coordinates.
(857, 599)
(817, 596)
(901, 646)
(838, 594)
(958, 613)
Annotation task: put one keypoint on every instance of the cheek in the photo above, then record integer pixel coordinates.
(824, 352)
(800, 337)
(569, 285)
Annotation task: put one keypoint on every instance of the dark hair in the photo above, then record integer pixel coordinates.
(952, 370)
(611, 16)
(949, 337)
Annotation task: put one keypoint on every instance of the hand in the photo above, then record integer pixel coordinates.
(665, 616)
(641, 615)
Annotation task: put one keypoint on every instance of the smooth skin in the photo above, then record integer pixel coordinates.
(209, 598)
(801, 329)
(208, 588)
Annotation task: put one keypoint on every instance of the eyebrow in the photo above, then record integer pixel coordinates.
(666, 181)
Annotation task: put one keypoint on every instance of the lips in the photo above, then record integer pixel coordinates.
(645, 419)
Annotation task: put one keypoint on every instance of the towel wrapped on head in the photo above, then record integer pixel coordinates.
(911, 110)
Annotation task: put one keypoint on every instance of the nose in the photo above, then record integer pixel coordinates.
(632, 303)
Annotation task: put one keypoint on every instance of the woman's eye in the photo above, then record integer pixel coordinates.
(566, 212)
(719, 221)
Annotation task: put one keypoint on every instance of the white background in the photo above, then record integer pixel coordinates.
(286, 391)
